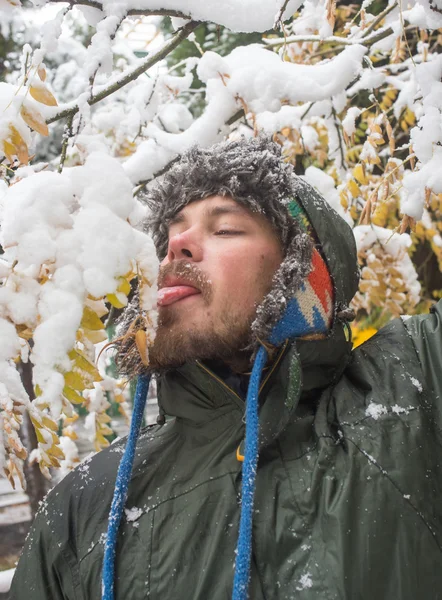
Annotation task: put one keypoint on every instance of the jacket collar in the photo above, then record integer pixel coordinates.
(193, 392)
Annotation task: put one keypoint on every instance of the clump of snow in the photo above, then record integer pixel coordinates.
(375, 410)
(70, 452)
(305, 582)
(326, 186)
(425, 137)
(348, 123)
(132, 514)
(398, 410)
(417, 384)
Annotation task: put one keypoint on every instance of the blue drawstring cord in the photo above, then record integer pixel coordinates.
(121, 486)
(244, 544)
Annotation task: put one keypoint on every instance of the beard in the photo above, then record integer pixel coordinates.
(176, 344)
(228, 338)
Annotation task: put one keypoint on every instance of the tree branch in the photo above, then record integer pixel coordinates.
(278, 20)
(131, 74)
(340, 143)
(66, 136)
(293, 39)
(148, 12)
(339, 42)
(381, 16)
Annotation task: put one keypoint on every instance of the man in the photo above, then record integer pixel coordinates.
(348, 481)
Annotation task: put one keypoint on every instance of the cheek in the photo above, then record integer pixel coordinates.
(245, 279)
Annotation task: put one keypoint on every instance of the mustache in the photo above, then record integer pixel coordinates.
(183, 269)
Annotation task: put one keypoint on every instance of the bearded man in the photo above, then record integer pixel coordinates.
(345, 482)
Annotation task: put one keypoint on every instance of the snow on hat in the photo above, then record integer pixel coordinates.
(300, 303)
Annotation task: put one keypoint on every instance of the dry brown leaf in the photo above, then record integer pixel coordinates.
(390, 134)
(42, 72)
(34, 120)
(331, 12)
(407, 222)
(428, 192)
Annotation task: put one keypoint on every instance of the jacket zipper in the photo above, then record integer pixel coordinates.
(269, 374)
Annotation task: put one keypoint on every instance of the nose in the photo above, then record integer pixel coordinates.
(184, 245)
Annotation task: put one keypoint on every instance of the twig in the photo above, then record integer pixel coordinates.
(404, 34)
(381, 16)
(338, 131)
(278, 20)
(66, 136)
(131, 74)
(292, 39)
(305, 113)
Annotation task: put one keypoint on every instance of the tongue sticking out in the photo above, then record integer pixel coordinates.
(169, 295)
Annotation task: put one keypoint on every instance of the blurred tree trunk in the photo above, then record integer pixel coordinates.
(36, 483)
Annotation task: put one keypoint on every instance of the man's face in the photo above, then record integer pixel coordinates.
(220, 263)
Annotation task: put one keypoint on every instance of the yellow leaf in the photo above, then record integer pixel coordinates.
(95, 336)
(359, 174)
(103, 418)
(115, 300)
(54, 462)
(43, 95)
(70, 433)
(124, 286)
(49, 423)
(105, 430)
(91, 320)
(409, 117)
(56, 451)
(72, 395)
(40, 438)
(9, 151)
(75, 381)
(34, 120)
(102, 440)
(141, 344)
(83, 364)
(354, 188)
(391, 93)
(15, 145)
(71, 419)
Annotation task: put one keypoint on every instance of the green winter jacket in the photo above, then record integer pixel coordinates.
(348, 501)
(348, 495)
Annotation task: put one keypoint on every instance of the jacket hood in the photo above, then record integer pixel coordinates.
(253, 173)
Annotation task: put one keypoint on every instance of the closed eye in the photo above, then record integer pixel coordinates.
(228, 232)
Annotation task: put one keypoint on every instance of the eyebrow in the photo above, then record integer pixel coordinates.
(214, 211)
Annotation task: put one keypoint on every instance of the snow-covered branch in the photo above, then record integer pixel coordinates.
(147, 12)
(129, 75)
